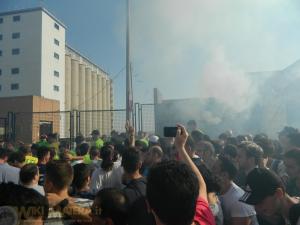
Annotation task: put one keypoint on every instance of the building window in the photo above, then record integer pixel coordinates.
(1, 20)
(56, 88)
(16, 18)
(56, 55)
(56, 42)
(15, 71)
(15, 51)
(15, 35)
(1, 37)
(0, 72)
(0, 52)
(56, 26)
(0, 87)
(14, 86)
(56, 73)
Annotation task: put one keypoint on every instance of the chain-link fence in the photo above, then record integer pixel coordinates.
(103, 120)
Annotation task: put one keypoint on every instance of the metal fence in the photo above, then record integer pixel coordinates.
(29, 126)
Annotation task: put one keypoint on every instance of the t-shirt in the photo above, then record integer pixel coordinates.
(203, 214)
(232, 207)
(9, 174)
(135, 192)
(107, 179)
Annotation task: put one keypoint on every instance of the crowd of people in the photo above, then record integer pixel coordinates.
(140, 179)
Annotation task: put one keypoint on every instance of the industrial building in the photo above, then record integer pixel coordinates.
(42, 79)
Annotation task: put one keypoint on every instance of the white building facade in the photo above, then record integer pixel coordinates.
(35, 61)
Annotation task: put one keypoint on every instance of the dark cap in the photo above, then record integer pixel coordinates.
(260, 183)
(95, 132)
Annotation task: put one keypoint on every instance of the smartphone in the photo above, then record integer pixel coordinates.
(170, 131)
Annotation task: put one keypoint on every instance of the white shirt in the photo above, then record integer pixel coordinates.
(107, 179)
(232, 207)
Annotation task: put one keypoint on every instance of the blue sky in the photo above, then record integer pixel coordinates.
(190, 48)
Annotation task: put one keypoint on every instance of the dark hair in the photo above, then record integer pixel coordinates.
(252, 150)
(42, 152)
(228, 166)
(130, 160)
(173, 185)
(28, 172)
(83, 149)
(81, 173)
(25, 150)
(206, 146)
(231, 151)
(16, 157)
(60, 173)
(294, 154)
(106, 154)
(24, 200)
(197, 135)
(266, 145)
(112, 204)
(232, 141)
(209, 178)
(190, 143)
(94, 152)
(3, 153)
(79, 139)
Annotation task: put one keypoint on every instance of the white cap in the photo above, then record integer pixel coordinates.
(153, 139)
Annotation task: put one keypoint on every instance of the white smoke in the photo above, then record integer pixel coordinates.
(226, 83)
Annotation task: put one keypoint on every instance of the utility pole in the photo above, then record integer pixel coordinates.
(129, 94)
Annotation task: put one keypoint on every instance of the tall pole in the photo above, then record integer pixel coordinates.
(129, 96)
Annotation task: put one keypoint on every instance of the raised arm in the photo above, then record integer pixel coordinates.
(180, 141)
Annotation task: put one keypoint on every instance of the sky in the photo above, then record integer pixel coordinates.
(190, 48)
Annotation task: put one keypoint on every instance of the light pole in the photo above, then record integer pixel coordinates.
(129, 94)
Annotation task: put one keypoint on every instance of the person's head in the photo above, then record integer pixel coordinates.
(79, 139)
(142, 145)
(82, 176)
(265, 191)
(231, 151)
(153, 140)
(16, 159)
(107, 156)
(43, 154)
(131, 161)
(83, 149)
(154, 155)
(249, 156)
(24, 204)
(225, 170)
(212, 186)
(197, 135)
(267, 147)
(29, 174)
(207, 150)
(284, 137)
(52, 138)
(292, 163)
(172, 185)
(94, 153)
(4, 154)
(95, 134)
(25, 150)
(109, 208)
(58, 176)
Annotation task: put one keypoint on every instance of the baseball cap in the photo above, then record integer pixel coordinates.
(153, 139)
(260, 183)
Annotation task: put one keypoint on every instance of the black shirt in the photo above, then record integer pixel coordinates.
(135, 191)
(294, 214)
